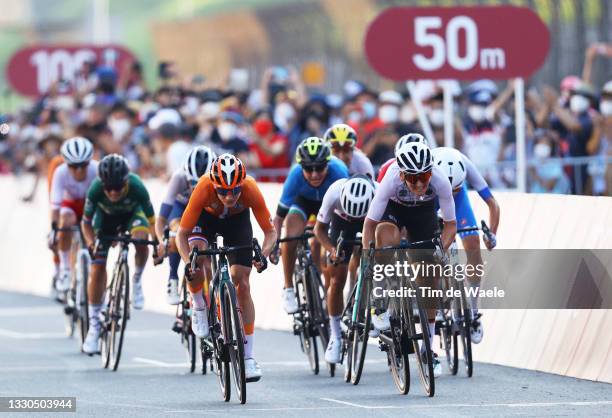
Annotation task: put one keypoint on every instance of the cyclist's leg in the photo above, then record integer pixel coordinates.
(294, 224)
(199, 239)
(174, 258)
(138, 225)
(67, 219)
(471, 240)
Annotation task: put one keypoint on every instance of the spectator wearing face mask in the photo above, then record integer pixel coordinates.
(577, 124)
(313, 120)
(379, 146)
(482, 135)
(269, 147)
(227, 137)
(434, 106)
(547, 176)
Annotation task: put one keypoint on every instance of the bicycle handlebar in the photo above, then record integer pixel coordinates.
(258, 256)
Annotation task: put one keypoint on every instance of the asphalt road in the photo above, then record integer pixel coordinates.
(37, 359)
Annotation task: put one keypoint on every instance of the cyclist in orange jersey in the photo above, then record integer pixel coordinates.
(220, 204)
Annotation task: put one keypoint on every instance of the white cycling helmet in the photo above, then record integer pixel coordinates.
(451, 162)
(77, 150)
(356, 195)
(414, 158)
(408, 138)
(198, 162)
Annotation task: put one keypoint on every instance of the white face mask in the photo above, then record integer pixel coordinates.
(407, 114)
(477, 113)
(541, 151)
(284, 114)
(388, 113)
(436, 117)
(606, 107)
(119, 127)
(354, 116)
(227, 130)
(579, 104)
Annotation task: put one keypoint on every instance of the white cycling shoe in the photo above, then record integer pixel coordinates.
(290, 303)
(199, 323)
(252, 371)
(91, 345)
(172, 296)
(333, 354)
(476, 330)
(137, 294)
(381, 321)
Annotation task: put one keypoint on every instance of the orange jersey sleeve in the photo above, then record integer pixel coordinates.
(254, 199)
(201, 197)
(53, 164)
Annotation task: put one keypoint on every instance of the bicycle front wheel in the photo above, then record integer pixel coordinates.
(81, 298)
(318, 312)
(119, 314)
(418, 331)
(233, 338)
(360, 329)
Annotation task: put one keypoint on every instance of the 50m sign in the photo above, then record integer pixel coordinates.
(499, 42)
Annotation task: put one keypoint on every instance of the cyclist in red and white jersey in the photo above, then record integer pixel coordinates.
(68, 191)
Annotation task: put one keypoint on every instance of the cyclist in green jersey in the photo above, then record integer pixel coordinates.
(117, 201)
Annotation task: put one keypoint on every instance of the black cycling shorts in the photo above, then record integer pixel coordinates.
(350, 228)
(420, 221)
(308, 208)
(235, 230)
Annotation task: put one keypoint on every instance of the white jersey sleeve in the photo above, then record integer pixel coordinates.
(331, 201)
(444, 191)
(474, 178)
(178, 184)
(57, 185)
(361, 164)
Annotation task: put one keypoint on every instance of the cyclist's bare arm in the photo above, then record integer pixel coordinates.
(321, 233)
(160, 224)
(88, 232)
(182, 243)
(448, 233)
(369, 229)
(494, 213)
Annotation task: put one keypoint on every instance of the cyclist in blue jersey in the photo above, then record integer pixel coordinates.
(458, 168)
(301, 199)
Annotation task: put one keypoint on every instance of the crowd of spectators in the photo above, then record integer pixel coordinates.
(154, 129)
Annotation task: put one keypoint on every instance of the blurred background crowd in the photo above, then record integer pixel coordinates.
(262, 115)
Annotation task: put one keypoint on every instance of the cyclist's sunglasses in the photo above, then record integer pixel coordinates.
(415, 178)
(313, 168)
(79, 165)
(114, 187)
(224, 192)
(342, 146)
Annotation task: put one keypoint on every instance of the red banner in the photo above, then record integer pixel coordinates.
(32, 70)
(464, 43)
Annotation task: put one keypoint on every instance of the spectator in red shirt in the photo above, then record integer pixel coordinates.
(270, 147)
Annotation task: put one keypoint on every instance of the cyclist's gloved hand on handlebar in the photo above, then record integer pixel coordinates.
(490, 240)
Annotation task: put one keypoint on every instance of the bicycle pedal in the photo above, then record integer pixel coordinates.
(68, 310)
(253, 379)
(177, 327)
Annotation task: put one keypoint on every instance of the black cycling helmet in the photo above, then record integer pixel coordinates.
(113, 170)
(313, 151)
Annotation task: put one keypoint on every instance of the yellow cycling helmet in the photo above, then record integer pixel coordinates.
(341, 133)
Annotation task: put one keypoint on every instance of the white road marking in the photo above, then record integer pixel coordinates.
(158, 363)
(464, 405)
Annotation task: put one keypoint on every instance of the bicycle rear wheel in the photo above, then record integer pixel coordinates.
(188, 339)
(360, 329)
(319, 313)
(464, 323)
(234, 339)
(119, 315)
(415, 314)
(303, 322)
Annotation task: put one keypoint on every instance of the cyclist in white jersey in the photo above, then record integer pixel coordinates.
(342, 139)
(405, 198)
(68, 191)
(343, 210)
(179, 190)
